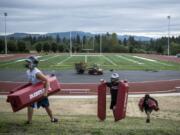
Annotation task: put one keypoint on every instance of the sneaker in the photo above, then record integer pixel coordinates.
(28, 122)
(54, 120)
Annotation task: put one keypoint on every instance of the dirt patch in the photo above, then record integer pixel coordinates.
(7, 57)
(169, 107)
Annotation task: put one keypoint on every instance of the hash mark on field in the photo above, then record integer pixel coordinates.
(64, 60)
(129, 60)
(20, 60)
(49, 58)
(145, 59)
(85, 58)
(109, 60)
(151, 60)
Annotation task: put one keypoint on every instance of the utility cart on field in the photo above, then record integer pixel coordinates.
(80, 67)
(95, 70)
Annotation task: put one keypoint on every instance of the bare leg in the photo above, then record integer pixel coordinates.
(29, 114)
(49, 112)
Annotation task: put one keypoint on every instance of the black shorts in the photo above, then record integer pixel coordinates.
(44, 103)
(147, 109)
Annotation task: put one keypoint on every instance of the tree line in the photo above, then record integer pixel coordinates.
(110, 44)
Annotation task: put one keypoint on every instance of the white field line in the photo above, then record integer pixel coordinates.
(20, 60)
(145, 59)
(86, 55)
(50, 58)
(151, 60)
(110, 60)
(108, 96)
(64, 60)
(122, 57)
(38, 57)
(85, 58)
(12, 62)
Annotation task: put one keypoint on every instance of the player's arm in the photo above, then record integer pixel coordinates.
(154, 100)
(102, 81)
(43, 78)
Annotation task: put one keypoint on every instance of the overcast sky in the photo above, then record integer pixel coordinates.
(140, 17)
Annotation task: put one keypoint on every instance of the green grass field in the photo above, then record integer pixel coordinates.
(86, 125)
(106, 61)
(78, 117)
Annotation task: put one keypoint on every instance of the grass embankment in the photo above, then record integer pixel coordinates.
(87, 125)
(78, 117)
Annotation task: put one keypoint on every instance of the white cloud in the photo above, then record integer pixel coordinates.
(130, 16)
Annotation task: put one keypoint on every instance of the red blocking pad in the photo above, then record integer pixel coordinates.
(101, 102)
(121, 104)
(28, 94)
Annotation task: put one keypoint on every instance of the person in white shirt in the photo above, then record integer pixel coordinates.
(35, 76)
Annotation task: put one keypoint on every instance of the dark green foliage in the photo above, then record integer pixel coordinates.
(2, 46)
(60, 48)
(46, 47)
(38, 47)
(12, 47)
(109, 41)
(54, 47)
(21, 46)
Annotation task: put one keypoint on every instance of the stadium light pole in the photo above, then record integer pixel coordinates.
(168, 17)
(5, 15)
(70, 45)
(100, 49)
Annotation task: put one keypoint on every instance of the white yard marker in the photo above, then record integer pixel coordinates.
(85, 58)
(110, 60)
(38, 56)
(151, 60)
(145, 59)
(49, 58)
(64, 60)
(20, 60)
(122, 57)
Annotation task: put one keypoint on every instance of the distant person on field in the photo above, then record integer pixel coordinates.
(148, 104)
(35, 76)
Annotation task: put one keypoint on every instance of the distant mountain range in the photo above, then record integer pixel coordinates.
(73, 34)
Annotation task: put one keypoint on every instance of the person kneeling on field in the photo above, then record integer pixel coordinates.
(148, 104)
(35, 76)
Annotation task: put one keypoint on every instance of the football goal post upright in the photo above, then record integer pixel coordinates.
(70, 45)
(100, 46)
(87, 45)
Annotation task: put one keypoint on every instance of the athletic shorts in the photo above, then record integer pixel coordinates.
(42, 103)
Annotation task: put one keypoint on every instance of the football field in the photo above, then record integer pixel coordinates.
(105, 61)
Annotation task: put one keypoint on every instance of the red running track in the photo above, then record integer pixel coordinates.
(163, 86)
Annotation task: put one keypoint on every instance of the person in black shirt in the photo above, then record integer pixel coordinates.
(149, 104)
(113, 86)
